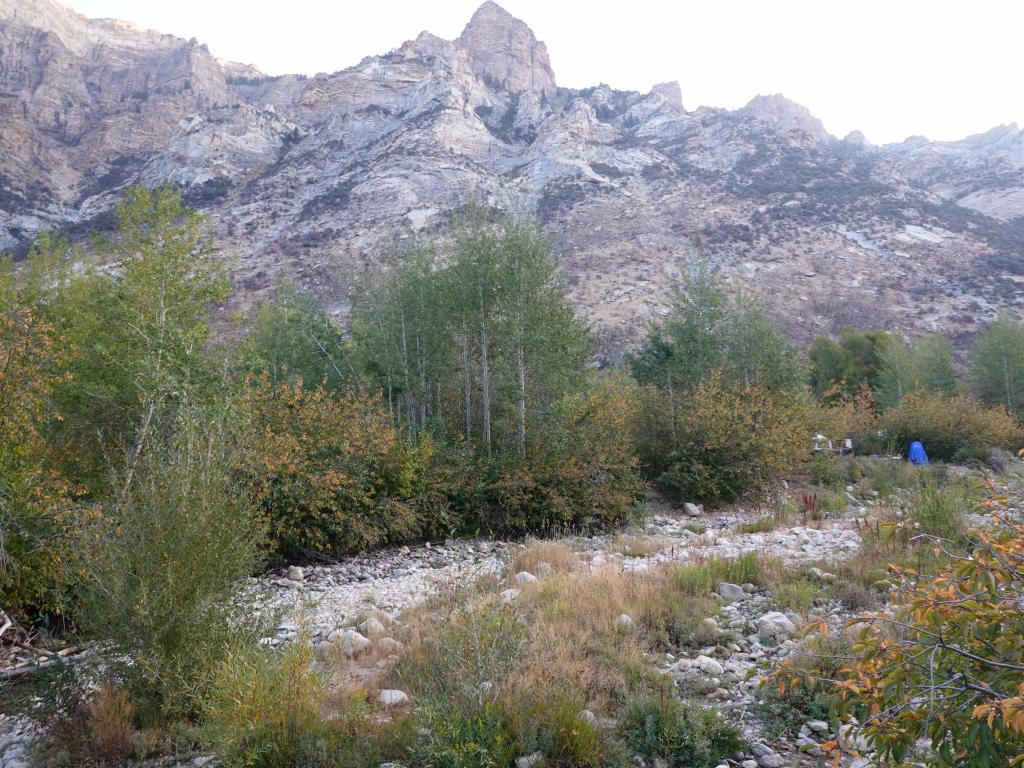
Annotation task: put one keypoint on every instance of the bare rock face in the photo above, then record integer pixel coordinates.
(84, 101)
(311, 178)
(672, 92)
(984, 172)
(783, 114)
(857, 138)
(504, 52)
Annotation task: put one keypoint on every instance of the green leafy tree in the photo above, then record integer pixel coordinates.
(135, 330)
(402, 328)
(690, 345)
(707, 334)
(925, 366)
(842, 367)
(757, 353)
(293, 338)
(997, 364)
(478, 346)
(896, 379)
(483, 348)
(933, 364)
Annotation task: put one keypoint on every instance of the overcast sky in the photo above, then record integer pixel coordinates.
(890, 69)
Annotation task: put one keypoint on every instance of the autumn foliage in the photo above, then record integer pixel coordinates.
(35, 522)
(721, 441)
(947, 424)
(583, 476)
(944, 661)
(330, 471)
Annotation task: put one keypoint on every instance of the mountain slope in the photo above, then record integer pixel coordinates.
(313, 178)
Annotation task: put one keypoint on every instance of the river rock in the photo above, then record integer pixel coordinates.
(775, 624)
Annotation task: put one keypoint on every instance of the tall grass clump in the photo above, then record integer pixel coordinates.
(263, 706)
(938, 505)
(890, 476)
(701, 578)
(459, 680)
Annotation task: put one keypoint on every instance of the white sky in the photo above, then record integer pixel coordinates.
(890, 69)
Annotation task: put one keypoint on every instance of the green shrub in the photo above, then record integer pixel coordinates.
(824, 470)
(947, 424)
(162, 594)
(548, 722)
(850, 470)
(807, 693)
(727, 442)
(39, 525)
(974, 455)
(582, 477)
(269, 707)
(833, 502)
(263, 705)
(684, 734)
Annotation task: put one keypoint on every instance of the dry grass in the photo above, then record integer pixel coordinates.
(762, 525)
(631, 545)
(559, 557)
(109, 720)
(99, 730)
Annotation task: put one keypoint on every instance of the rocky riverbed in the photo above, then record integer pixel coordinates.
(354, 603)
(387, 582)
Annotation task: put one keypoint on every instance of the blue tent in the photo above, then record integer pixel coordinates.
(917, 454)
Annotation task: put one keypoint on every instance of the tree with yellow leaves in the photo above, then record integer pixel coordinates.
(34, 498)
(945, 662)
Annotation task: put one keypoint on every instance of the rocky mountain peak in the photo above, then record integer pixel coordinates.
(786, 114)
(672, 92)
(504, 51)
(311, 178)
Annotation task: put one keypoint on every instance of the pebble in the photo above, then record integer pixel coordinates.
(624, 621)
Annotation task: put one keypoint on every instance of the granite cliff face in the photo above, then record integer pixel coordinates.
(312, 178)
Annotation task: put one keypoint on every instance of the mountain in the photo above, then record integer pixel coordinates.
(315, 178)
